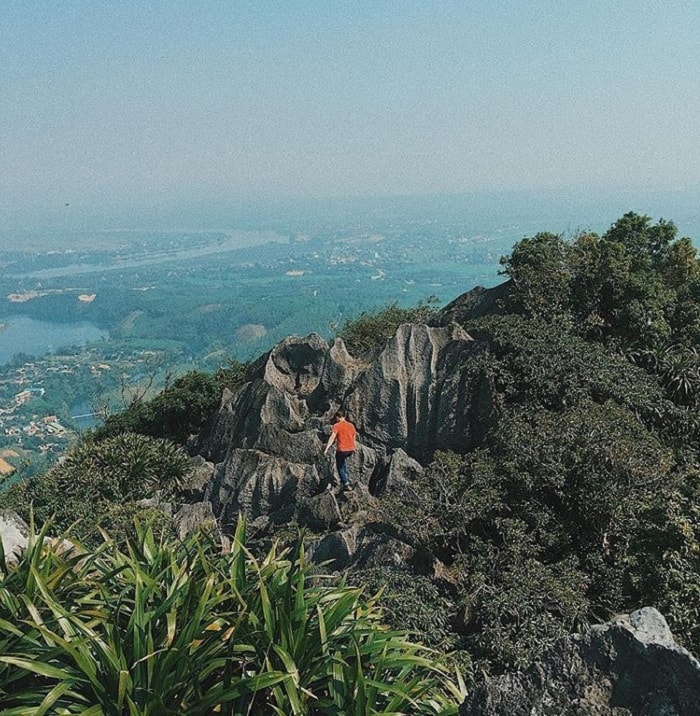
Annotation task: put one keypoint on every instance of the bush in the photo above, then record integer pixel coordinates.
(98, 477)
(169, 628)
(370, 330)
(515, 598)
(636, 285)
(180, 410)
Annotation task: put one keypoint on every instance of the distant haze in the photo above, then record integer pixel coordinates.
(161, 113)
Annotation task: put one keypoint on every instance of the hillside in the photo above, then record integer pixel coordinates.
(527, 462)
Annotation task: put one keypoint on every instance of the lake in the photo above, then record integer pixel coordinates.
(19, 334)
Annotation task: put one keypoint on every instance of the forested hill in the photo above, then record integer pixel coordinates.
(528, 460)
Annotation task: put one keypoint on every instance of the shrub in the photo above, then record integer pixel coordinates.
(515, 596)
(98, 477)
(180, 410)
(370, 330)
(168, 628)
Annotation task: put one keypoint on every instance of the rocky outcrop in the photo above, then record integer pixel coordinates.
(630, 666)
(478, 302)
(14, 533)
(408, 400)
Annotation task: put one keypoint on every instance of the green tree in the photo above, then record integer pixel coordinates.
(540, 269)
(635, 286)
(180, 410)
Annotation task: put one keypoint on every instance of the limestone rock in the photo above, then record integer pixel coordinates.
(337, 549)
(196, 484)
(156, 503)
(408, 400)
(254, 483)
(376, 548)
(190, 519)
(398, 478)
(413, 395)
(478, 302)
(629, 666)
(14, 532)
(320, 512)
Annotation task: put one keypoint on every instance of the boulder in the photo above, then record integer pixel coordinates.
(254, 483)
(478, 302)
(630, 665)
(413, 396)
(193, 518)
(320, 512)
(194, 487)
(336, 549)
(398, 478)
(14, 532)
(376, 548)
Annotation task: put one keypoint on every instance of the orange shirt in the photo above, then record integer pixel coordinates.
(345, 432)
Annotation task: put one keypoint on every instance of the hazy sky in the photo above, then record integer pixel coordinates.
(169, 100)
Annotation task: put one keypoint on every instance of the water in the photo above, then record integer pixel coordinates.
(19, 334)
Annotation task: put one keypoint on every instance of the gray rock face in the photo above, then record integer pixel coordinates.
(398, 478)
(362, 548)
(267, 438)
(14, 532)
(413, 396)
(195, 487)
(629, 666)
(190, 519)
(478, 302)
(320, 512)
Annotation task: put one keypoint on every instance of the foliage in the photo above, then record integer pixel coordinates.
(175, 628)
(555, 519)
(637, 284)
(512, 597)
(412, 602)
(370, 330)
(178, 411)
(99, 479)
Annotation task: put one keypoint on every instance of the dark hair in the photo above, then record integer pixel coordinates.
(339, 414)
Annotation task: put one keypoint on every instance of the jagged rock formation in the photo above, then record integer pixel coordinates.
(408, 400)
(630, 666)
(474, 304)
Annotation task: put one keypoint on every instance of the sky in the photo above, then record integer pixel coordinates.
(151, 102)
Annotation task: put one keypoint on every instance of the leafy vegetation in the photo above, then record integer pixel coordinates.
(171, 628)
(636, 286)
(178, 411)
(370, 329)
(578, 500)
(581, 500)
(100, 484)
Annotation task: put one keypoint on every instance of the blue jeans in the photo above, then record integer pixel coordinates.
(341, 463)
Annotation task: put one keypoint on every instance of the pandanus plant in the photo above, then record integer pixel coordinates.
(159, 628)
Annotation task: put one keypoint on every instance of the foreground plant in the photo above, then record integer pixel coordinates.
(172, 628)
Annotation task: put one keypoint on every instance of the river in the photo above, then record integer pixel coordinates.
(20, 334)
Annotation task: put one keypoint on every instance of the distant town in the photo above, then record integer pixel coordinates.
(45, 403)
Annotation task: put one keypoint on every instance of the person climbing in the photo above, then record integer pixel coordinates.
(343, 434)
